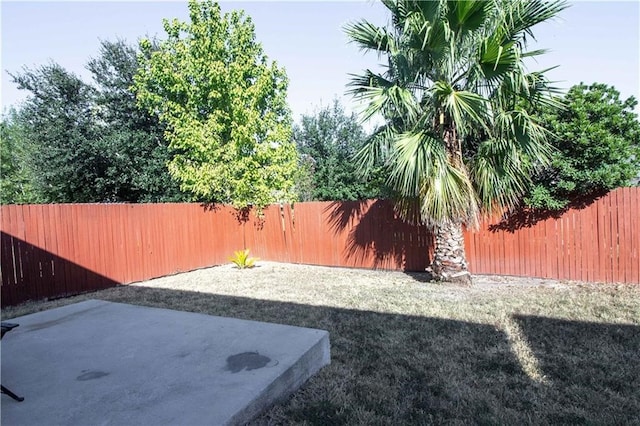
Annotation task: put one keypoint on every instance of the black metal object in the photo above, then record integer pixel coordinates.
(8, 326)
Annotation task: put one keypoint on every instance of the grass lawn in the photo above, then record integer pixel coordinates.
(404, 351)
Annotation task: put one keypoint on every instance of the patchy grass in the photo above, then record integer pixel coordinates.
(506, 351)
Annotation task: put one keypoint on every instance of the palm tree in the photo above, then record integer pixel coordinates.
(459, 137)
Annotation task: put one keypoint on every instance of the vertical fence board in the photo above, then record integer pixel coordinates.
(635, 237)
(590, 239)
(9, 259)
(572, 231)
(60, 233)
(530, 256)
(612, 235)
(51, 246)
(162, 227)
(605, 232)
(65, 250)
(549, 247)
(78, 225)
(98, 241)
(578, 246)
(469, 246)
(520, 260)
(512, 250)
(36, 256)
(624, 220)
(32, 260)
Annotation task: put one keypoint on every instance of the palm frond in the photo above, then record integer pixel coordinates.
(522, 15)
(497, 57)
(467, 15)
(448, 195)
(384, 97)
(531, 137)
(375, 150)
(422, 174)
(369, 36)
(501, 175)
(467, 109)
(415, 156)
(534, 53)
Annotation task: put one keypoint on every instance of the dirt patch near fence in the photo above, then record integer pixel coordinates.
(350, 288)
(353, 288)
(274, 274)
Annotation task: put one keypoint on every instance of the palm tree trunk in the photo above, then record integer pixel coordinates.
(449, 259)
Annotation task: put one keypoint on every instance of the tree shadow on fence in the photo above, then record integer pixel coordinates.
(377, 237)
(242, 215)
(529, 217)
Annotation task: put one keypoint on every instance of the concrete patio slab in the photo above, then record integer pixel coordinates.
(103, 363)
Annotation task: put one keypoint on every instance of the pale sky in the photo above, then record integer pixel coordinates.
(591, 42)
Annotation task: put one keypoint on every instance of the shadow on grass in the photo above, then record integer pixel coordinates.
(598, 363)
(401, 369)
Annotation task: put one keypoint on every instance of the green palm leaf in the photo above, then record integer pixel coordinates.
(369, 36)
(467, 15)
(501, 175)
(449, 196)
(415, 157)
(467, 109)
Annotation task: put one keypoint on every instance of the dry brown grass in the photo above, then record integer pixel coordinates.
(404, 351)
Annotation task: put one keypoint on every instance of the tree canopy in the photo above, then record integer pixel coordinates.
(457, 100)
(58, 120)
(327, 141)
(224, 105)
(132, 137)
(17, 179)
(91, 143)
(597, 141)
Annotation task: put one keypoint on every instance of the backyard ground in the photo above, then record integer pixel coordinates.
(406, 351)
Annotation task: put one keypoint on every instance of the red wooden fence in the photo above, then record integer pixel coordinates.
(598, 243)
(61, 249)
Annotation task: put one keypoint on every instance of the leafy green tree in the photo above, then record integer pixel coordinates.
(224, 105)
(327, 141)
(459, 137)
(304, 184)
(597, 137)
(93, 143)
(58, 118)
(133, 138)
(16, 172)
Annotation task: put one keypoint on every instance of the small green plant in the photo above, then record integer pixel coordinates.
(242, 259)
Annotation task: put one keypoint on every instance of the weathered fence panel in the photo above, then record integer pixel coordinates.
(61, 249)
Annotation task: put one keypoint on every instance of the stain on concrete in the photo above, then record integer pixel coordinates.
(246, 360)
(91, 375)
(69, 317)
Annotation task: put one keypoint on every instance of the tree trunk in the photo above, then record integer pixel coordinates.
(449, 259)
